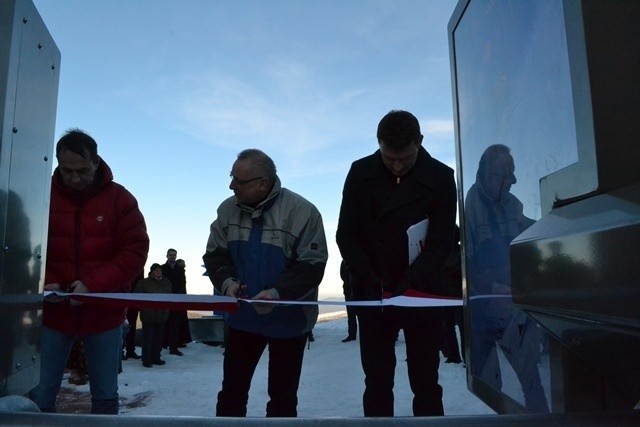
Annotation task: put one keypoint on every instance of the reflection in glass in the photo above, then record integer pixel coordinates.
(514, 88)
(501, 332)
(514, 100)
(19, 307)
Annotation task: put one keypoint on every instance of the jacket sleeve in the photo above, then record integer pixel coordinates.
(302, 278)
(217, 259)
(425, 273)
(132, 247)
(348, 235)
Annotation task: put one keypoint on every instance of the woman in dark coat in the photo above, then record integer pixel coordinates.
(153, 321)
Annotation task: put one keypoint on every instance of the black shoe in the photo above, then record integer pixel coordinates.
(453, 360)
(132, 355)
(176, 352)
(159, 362)
(78, 378)
(310, 337)
(349, 338)
(147, 365)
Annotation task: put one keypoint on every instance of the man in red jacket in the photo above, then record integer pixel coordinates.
(98, 242)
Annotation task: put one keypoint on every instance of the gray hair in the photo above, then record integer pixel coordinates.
(261, 163)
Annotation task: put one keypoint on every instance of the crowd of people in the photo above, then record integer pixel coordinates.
(266, 243)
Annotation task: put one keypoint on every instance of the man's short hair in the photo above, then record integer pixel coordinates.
(262, 163)
(171, 250)
(490, 155)
(79, 142)
(399, 129)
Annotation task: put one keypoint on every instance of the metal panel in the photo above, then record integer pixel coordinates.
(28, 95)
(551, 223)
(577, 272)
(207, 329)
(617, 419)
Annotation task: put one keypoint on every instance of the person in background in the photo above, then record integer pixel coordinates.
(177, 331)
(352, 323)
(386, 193)
(184, 328)
(153, 321)
(453, 315)
(97, 242)
(267, 242)
(132, 320)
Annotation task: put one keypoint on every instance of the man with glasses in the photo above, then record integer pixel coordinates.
(266, 243)
(384, 194)
(493, 218)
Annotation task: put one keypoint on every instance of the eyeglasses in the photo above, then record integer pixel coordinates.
(242, 182)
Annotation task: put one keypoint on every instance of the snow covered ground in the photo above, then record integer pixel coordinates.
(331, 384)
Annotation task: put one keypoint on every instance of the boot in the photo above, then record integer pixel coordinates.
(77, 378)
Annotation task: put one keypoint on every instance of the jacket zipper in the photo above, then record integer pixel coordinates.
(76, 248)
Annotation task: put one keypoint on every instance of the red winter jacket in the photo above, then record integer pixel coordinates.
(97, 236)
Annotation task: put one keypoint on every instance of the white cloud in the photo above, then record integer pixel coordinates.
(438, 127)
(297, 117)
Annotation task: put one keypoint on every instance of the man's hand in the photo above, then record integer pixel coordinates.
(54, 287)
(269, 294)
(234, 289)
(77, 287)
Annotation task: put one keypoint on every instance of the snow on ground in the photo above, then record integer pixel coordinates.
(331, 384)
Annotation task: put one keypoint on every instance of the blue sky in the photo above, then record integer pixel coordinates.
(173, 90)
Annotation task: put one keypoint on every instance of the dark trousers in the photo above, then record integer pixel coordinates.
(177, 329)
(452, 317)
(130, 339)
(352, 322)
(173, 330)
(378, 332)
(151, 341)
(242, 353)
(499, 324)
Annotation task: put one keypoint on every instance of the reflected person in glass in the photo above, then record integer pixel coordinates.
(493, 218)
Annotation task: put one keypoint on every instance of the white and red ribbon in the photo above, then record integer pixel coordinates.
(410, 298)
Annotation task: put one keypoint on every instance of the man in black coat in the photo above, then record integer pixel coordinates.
(177, 330)
(384, 194)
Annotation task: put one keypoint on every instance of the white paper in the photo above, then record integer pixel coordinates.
(417, 235)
